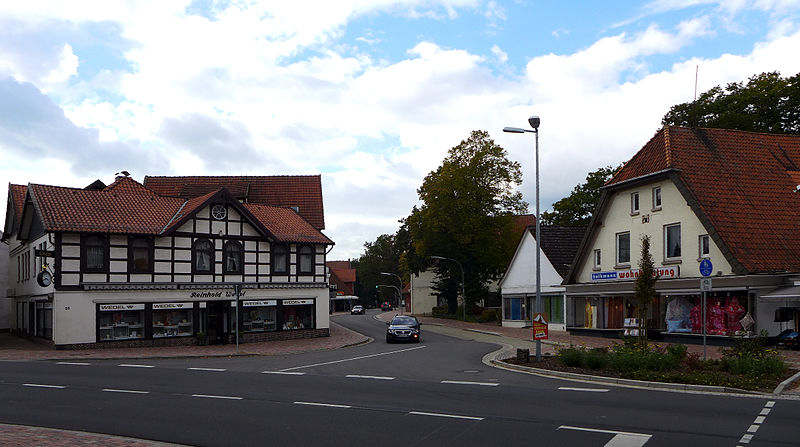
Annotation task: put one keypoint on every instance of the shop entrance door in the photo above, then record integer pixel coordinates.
(215, 323)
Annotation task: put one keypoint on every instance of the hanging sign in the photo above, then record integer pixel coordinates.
(44, 253)
(540, 330)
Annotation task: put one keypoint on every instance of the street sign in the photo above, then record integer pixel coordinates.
(706, 267)
(705, 284)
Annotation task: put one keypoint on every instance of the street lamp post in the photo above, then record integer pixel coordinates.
(400, 294)
(463, 293)
(534, 122)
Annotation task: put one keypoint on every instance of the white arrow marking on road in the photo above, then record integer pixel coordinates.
(443, 415)
(320, 404)
(354, 358)
(207, 369)
(620, 439)
(112, 390)
(211, 396)
(129, 365)
(39, 385)
(461, 382)
(356, 376)
(74, 363)
(591, 390)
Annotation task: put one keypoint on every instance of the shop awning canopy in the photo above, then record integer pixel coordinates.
(792, 292)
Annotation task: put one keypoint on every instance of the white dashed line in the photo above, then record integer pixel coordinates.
(461, 382)
(285, 373)
(211, 396)
(444, 415)
(759, 420)
(591, 390)
(753, 429)
(356, 376)
(765, 411)
(770, 404)
(73, 363)
(39, 385)
(130, 365)
(320, 404)
(207, 369)
(113, 390)
(746, 439)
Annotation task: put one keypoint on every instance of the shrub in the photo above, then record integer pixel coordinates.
(488, 315)
(439, 311)
(677, 350)
(596, 358)
(571, 356)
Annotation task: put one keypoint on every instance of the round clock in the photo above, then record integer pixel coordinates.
(44, 278)
(219, 212)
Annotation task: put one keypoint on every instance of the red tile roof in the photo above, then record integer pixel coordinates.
(741, 184)
(286, 224)
(302, 191)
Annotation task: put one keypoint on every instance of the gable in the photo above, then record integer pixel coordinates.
(520, 277)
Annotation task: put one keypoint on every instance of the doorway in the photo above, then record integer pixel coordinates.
(215, 322)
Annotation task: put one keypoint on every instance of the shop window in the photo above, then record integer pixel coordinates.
(306, 259)
(120, 321)
(635, 203)
(672, 241)
(232, 253)
(298, 316)
(259, 316)
(95, 253)
(597, 258)
(623, 248)
(140, 255)
(656, 198)
(704, 246)
(203, 256)
(554, 307)
(44, 319)
(280, 259)
(172, 320)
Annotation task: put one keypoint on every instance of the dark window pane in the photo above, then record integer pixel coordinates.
(279, 259)
(306, 259)
(233, 257)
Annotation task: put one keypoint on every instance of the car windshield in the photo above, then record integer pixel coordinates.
(405, 321)
(356, 307)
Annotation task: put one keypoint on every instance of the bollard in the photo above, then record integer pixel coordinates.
(524, 355)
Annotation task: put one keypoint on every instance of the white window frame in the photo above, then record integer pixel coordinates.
(656, 198)
(666, 242)
(597, 258)
(700, 246)
(620, 262)
(634, 203)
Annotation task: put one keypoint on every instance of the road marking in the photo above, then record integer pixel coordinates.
(74, 363)
(320, 404)
(759, 420)
(443, 415)
(113, 390)
(765, 411)
(286, 373)
(211, 396)
(461, 382)
(620, 439)
(770, 404)
(356, 376)
(39, 385)
(355, 358)
(753, 428)
(207, 369)
(591, 390)
(746, 439)
(130, 365)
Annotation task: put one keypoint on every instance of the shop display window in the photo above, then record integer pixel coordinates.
(121, 324)
(259, 319)
(298, 317)
(172, 323)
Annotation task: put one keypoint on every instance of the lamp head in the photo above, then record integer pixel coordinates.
(512, 130)
(534, 122)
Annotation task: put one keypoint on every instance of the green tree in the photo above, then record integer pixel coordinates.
(467, 210)
(645, 288)
(577, 208)
(767, 103)
(382, 255)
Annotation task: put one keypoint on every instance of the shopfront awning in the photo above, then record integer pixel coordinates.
(783, 293)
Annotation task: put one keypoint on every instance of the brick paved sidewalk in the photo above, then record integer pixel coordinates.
(24, 436)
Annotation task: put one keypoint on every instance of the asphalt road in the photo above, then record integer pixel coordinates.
(434, 393)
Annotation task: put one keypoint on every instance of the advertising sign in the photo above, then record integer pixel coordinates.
(621, 275)
(540, 331)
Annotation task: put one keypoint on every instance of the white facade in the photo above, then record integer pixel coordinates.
(6, 302)
(422, 298)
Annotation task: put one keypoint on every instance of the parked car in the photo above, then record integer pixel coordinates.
(789, 338)
(357, 309)
(403, 328)
(386, 306)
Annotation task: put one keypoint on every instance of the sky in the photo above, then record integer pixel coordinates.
(369, 94)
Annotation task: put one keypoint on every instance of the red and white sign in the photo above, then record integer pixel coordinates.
(540, 329)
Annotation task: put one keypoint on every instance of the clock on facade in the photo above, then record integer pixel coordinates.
(44, 278)
(219, 212)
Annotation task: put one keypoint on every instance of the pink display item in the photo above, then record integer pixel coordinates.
(734, 312)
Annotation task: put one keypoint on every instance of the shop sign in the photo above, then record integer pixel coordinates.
(297, 302)
(621, 275)
(159, 306)
(540, 329)
(118, 307)
(44, 253)
(259, 303)
(217, 294)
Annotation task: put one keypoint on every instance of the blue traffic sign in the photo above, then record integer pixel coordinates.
(706, 268)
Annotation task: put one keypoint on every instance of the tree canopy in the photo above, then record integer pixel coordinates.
(382, 255)
(766, 103)
(467, 210)
(577, 208)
